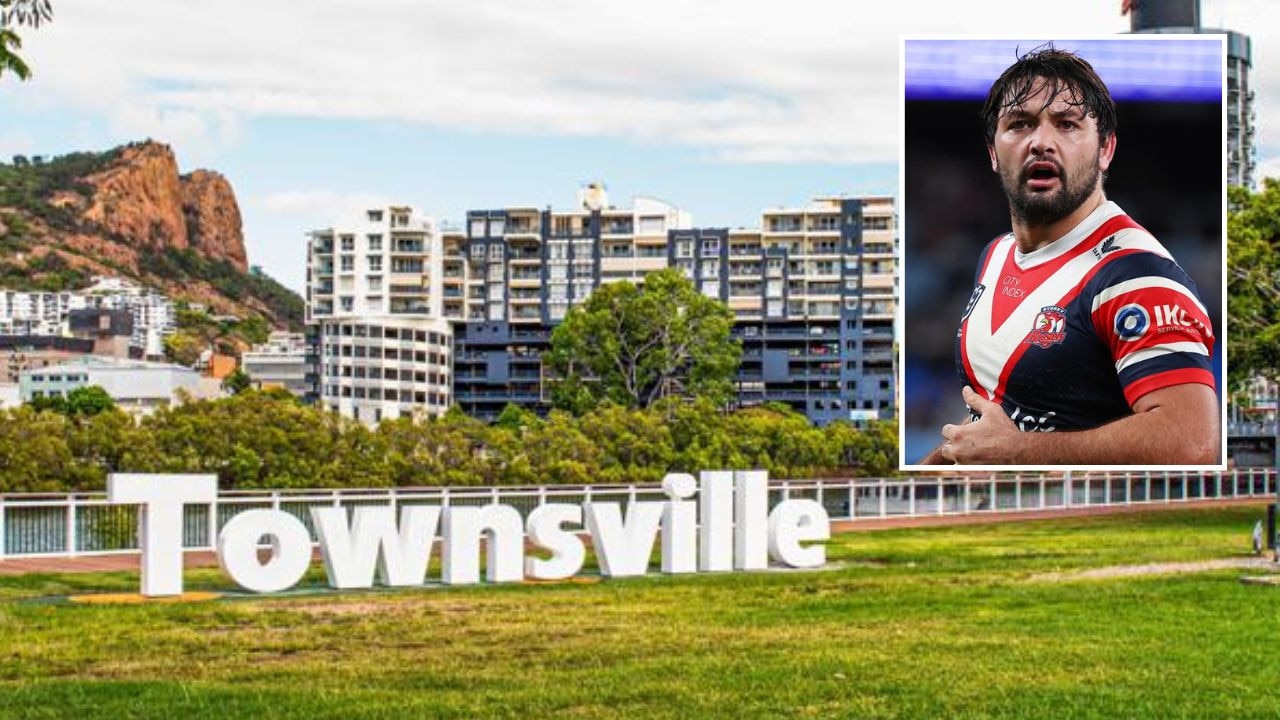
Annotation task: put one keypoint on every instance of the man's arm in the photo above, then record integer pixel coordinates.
(1176, 425)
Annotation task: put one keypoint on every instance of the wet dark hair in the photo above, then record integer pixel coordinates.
(1062, 72)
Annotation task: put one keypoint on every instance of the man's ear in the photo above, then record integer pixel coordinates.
(991, 153)
(1107, 152)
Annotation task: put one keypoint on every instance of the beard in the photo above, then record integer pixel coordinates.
(1046, 208)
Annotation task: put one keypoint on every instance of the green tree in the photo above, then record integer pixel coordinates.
(1253, 282)
(633, 346)
(237, 382)
(17, 13)
(184, 348)
(89, 400)
(34, 456)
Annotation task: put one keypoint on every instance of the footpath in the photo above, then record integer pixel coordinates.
(126, 561)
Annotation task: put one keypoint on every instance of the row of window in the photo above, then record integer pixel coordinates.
(361, 372)
(416, 397)
(389, 333)
(59, 378)
(361, 351)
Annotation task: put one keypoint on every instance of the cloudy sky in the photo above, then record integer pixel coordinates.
(315, 110)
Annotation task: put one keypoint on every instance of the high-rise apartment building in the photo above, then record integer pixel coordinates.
(374, 296)
(1183, 16)
(812, 289)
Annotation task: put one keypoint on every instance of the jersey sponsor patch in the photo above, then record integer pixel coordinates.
(1049, 328)
(1132, 322)
(973, 300)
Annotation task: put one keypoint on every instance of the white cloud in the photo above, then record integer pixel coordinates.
(750, 80)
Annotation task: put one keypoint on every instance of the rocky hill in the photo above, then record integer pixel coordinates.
(128, 212)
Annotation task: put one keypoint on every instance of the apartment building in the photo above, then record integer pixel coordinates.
(813, 289)
(281, 362)
(46, 313)
(36, 313)
(374, 297)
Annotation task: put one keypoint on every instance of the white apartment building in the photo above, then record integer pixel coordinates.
(45, 313)
(154, 314)
(374, 290)
(281, 362)
(37, 313)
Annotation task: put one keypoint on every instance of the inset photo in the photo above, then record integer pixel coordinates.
(1064, 247)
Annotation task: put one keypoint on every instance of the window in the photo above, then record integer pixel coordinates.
(477, 252)
(348, 263)
(495, 252)
(348, 243)
(375, 243)
(375, 263)
(375, 216)
(710, 247)
(347, 303)
(652, 225)
(375, 283)
(476, 229)
(497, 227)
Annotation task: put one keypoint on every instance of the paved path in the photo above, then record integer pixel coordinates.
(199, 559)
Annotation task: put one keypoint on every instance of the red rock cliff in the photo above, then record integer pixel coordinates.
(142, 201)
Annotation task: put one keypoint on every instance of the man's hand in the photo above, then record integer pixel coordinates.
(1175, 425)
(993, 438)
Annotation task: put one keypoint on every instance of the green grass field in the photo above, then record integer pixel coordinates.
(946, 622)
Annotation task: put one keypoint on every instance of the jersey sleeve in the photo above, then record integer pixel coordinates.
(1146, 310)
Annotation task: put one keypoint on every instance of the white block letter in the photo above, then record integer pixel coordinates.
(290, 550)
(715, 513)
(373, 542)
(751, 520)
(679, 525)
(623, 549)
(463, 527)
(794, 522)
(567, 550)
(160, 521)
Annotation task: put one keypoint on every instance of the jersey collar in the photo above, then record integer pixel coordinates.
(1064, 244)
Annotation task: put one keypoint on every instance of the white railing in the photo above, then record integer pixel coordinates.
(86, 524)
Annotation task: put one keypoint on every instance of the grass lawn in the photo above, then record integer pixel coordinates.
(943, 622)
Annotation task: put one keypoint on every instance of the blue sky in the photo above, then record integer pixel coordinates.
(720, 107)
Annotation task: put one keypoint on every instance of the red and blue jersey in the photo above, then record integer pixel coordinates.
(1069, 336)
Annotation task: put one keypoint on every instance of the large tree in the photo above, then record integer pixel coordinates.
(17, 13)
(1253, 282)
(633, 346)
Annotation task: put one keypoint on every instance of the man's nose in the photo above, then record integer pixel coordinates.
(1041, 139)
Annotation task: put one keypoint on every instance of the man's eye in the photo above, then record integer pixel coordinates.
(1067, 125)
(1017, 124)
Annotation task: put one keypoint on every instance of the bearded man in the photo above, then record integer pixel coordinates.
(1083, 342)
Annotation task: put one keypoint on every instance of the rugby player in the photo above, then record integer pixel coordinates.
(1083, 342)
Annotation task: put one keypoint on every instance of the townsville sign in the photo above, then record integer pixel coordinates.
(728, 526)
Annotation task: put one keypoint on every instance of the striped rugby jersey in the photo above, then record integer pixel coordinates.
(1069, 336)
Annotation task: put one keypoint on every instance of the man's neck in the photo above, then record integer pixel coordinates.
(1033, 237)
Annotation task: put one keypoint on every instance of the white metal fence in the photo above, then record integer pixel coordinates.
(86, 524)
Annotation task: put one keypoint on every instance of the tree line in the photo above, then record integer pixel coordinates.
(267, 439)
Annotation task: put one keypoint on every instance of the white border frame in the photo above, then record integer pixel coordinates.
(900, 319)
